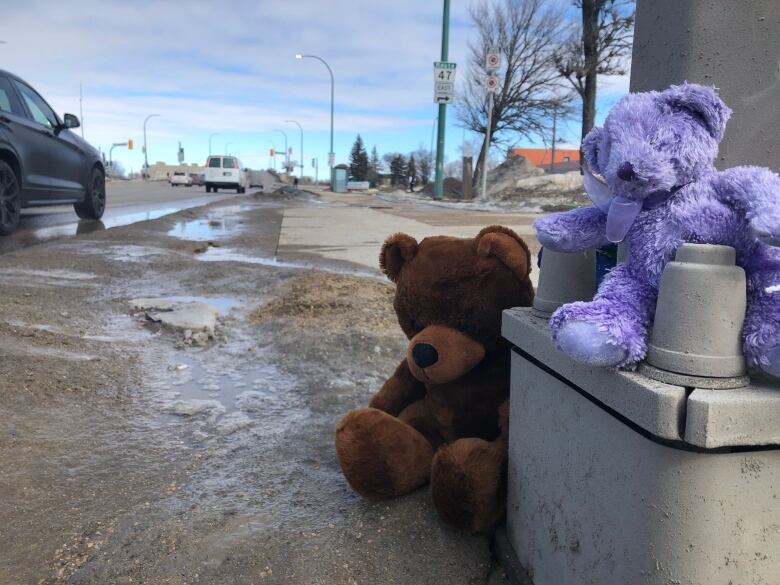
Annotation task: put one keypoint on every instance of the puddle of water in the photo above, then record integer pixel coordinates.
(217, 224)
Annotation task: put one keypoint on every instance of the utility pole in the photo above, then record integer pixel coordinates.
(552, 153)
(438, 190)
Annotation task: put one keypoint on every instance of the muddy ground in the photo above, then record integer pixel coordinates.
(131, 453)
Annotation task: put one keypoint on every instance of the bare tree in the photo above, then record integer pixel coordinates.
(527, 33)
(600, 45)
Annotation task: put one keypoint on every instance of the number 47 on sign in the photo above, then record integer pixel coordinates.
(444, 72)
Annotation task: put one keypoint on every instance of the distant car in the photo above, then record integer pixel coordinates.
(225, 172)
(179, 178)
(41, 161)
(198, 179)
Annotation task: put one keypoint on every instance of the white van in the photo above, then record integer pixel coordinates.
(225, 172)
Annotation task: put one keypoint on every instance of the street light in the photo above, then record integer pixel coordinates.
(146, 156)
(301, 129)
(226, 147)
(331, 154)
(286, 151)
(210, 137)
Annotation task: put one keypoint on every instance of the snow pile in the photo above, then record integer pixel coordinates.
(518, 183)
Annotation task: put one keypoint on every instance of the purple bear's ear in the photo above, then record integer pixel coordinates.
(590, 148)
(701, 101)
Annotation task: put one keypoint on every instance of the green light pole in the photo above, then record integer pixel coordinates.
(438, 190)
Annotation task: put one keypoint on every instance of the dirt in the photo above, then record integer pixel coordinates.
(129, 456)
(333, 303)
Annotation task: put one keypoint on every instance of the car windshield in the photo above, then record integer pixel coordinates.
(179, 174)
(215, 163)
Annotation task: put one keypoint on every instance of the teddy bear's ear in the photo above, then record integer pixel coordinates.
(590, 148)
(702, 102)
(397, 250)
(507, 246)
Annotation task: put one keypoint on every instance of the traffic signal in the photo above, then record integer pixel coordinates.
(271, 152)
(130, 144)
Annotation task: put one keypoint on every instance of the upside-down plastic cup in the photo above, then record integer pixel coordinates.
(564, 278)
(699, 316)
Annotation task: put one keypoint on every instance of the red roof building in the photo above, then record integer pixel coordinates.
(566, 159)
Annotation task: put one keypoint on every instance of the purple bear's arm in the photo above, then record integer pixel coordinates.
(756, 192)
(572, 231)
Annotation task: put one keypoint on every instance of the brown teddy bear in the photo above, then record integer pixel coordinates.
(442, 416)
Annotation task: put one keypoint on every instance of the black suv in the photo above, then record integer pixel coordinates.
(41, 161)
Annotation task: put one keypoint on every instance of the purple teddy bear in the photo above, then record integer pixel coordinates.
(659, 189)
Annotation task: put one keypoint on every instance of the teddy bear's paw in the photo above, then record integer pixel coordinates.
(468, 484)
(586, 342)
(772, 367)
(380, 455)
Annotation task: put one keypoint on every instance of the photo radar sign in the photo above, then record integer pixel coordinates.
(491, 84)
(492, 59)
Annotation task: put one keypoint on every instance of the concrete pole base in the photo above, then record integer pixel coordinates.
(689, 381)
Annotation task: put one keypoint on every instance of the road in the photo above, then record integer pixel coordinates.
(126, 203)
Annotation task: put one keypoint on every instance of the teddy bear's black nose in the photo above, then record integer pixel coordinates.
(626, 172)
(424, 355)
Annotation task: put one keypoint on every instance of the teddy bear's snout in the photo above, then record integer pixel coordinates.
(424, 355)
(440, 354)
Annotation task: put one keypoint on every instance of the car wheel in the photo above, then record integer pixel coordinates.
(10, 200)
(94, 203)
(208, 188)
(216, 189)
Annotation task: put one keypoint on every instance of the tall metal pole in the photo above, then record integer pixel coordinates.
(286, 150)
(301, 129)
(433, 129)
(210, 137)
(146, 155)
(81, 108)
(331, 154)
(226, 147)
(487, 145)
(438, 190)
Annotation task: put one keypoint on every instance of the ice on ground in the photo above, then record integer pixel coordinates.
(182, 315)
(233, 422)
(194, 407)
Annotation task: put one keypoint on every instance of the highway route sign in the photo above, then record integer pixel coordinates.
(444, 72)
(444, 82)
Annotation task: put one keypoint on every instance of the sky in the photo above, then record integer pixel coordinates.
(229, 68)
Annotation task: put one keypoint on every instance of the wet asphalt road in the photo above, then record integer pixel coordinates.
(127, 202)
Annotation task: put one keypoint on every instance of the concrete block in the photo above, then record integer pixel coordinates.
(746, 417)
(591, 501)
(656, 407)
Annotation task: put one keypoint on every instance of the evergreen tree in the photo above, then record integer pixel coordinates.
(374, 167)
(398, 170)
(358, 160)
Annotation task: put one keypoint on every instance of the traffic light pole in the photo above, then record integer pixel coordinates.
(438, 190)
